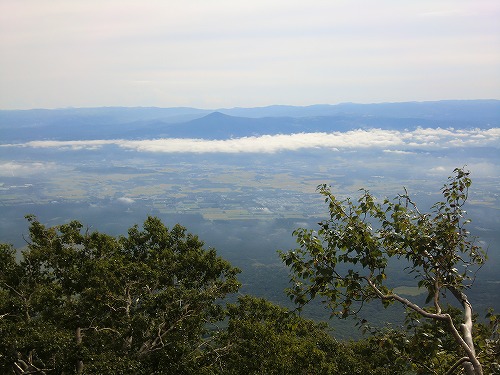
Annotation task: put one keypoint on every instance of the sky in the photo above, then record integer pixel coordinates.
(229, 53)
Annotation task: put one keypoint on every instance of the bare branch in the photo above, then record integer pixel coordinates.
(457, 364)
(465, 342)
(406, 302)
(436, 297)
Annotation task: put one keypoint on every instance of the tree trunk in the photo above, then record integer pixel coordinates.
(472, 367)
(79, 362)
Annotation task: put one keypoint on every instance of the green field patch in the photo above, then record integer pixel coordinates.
(408, 290)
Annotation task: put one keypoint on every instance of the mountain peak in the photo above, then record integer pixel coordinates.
(216, 115)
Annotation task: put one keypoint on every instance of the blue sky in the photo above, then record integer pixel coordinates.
(228, 53)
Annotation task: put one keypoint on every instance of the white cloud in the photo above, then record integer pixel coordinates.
(269, 143)
(16, 169)
(386, 140)
(70, 145)
(126, 200)
(438, 170)
(398, 152)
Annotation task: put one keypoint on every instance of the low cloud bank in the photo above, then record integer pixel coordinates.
(126, 200)
(15, 169)
(387, 140)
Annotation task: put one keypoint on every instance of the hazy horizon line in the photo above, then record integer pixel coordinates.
(254, 107)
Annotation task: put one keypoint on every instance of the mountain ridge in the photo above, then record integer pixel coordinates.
(185, 122)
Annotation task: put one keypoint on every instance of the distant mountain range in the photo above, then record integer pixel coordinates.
(147, 123)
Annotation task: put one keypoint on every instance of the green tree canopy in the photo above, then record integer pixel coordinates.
(345, 261)
(263, 338)
(85, 301)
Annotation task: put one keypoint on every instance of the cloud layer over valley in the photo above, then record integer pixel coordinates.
(387, 140)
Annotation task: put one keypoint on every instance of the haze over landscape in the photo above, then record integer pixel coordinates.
(212, 114)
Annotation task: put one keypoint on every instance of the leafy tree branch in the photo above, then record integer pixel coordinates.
(345, 261)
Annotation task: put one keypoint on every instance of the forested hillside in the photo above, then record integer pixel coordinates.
(156, 301)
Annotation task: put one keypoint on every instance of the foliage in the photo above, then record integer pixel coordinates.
(488, 342)
(137, 304)
(262, 338)
(429, 346)
(345, 261)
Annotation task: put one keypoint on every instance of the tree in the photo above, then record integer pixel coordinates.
(345, 261)
(430, 347)
(85, 301)
(263, 338)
